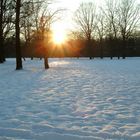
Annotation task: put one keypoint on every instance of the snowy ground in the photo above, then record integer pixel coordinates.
(76, 99)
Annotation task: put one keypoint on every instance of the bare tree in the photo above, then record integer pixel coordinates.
(6, 13)
(35, 22)
(8, 18)
(26, 20)
(43, 18)
(122, 20)
(100, 27)
(128, 20)
(1, 31)
(110, 12)
(85, 18)
(17, 27)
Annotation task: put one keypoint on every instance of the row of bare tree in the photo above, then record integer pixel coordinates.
(115, 19)
(6, 19)
(28, 20)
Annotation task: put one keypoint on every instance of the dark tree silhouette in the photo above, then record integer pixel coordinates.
(110, 12)
(1, 33)
(18, 47)
(128, 20)
(26, 20)
(101, 31)
(6, 24)
(85, 18)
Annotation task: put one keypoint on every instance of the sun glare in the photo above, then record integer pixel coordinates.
(58, 37)
(59, 34)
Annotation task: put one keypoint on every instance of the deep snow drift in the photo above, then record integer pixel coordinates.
(76, 99)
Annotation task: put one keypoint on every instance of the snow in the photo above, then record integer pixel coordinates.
(76, 99)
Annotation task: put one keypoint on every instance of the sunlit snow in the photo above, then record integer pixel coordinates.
(76, 99)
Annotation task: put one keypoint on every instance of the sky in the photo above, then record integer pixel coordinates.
(66, 23)
(72, 5)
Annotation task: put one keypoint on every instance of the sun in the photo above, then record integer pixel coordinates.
(59, 34)
(58, 37)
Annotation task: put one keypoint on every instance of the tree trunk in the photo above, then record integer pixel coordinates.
(46, 64)
(101, 48)
(111, 48)
(18, 47)
(1, 52)
(124, 48)
(89, 46)
(1, 33)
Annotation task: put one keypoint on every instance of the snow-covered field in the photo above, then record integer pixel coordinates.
(76, 99)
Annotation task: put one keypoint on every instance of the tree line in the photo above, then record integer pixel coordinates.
(25, 21)
(106, 30)
(115, 24)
